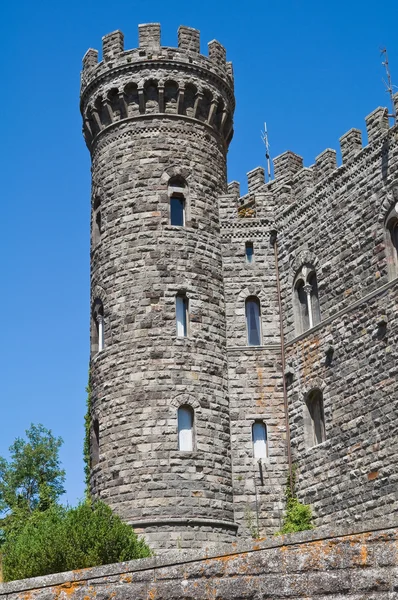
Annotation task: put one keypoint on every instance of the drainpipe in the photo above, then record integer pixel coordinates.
(278, 288)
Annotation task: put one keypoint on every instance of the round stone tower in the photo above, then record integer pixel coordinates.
(158, 122)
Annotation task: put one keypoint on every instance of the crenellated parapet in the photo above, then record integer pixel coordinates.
(157, 80)
(302, 181)
(255, 206)
(293, 181)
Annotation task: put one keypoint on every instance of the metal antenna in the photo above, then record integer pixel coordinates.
(264, 137)
(389, 85)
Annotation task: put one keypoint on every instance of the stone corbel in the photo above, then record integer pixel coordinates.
(223, 120)
(87, 127)
(107, 105)
(96, 117)
(198, 99)
(212, 112)
(123, 104)
(141, 100)
(180, 102)
(161, 98)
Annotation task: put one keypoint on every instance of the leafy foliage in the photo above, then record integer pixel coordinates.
(61, 539)
(32, 478)
(298, 516)
(250, 523)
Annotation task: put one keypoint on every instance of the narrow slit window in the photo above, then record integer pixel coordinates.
(253, 322)
(177, 211)
(97, 329)
(95, 443)
(317, 433)
(314, 299)
(249, 252)
(260, 442)
(100, 329)
(185, 429)
(97, 228)
(182, 315)
(96, 224)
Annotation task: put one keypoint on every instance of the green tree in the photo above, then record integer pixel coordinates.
(62, 539)
(32, 479)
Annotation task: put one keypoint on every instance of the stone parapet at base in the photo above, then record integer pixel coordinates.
(313, 564)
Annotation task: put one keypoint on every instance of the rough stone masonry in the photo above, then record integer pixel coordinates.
(309, 566)
(289, 350)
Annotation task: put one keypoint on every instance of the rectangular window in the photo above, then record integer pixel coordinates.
(318, 422)
(185, 429)
(182, 316)
(259, 432)
(249, 252)
(314, 419)
(177, 211)
(253, 322)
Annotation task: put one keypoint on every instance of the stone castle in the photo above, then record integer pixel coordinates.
(234, 337)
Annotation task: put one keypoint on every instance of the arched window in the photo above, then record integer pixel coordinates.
(306, 300)
(260, 441)
(177, 195)
(253, 321)
(185, 428)
(94, 443)
(182, 315)
(314, 419)
(97, 327)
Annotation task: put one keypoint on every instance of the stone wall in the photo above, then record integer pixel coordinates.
(339, 229)
(361, 564)
(157, 118)
(155, 113)
(333, 221)
(254, 376)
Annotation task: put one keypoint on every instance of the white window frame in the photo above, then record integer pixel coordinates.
(182, 312)
(181, 198)
(260, 440)
(257, 317)
(185, 424)
(98, 327)
(314, 312)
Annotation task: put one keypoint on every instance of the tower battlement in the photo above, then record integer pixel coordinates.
(158, 122)
(179, 80)
(288, 166)
(150, 48)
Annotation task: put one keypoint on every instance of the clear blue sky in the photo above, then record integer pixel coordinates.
(312, 70)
